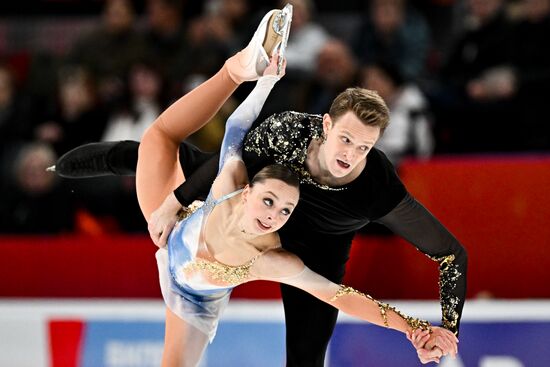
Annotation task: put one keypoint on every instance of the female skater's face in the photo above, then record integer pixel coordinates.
(348, 140)
(268, 206)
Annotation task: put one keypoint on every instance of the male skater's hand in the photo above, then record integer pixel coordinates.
(163, 219)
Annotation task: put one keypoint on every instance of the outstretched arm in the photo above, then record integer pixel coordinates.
(284, 267)
(416, 224)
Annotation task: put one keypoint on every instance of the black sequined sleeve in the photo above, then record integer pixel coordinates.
(282, 138)
(416, 224)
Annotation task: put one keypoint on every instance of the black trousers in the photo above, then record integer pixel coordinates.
(310, 322)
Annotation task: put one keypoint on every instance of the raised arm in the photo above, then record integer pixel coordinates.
(163, 218)
(244, 116)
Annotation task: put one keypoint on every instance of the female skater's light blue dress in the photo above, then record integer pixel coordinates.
(194, 285)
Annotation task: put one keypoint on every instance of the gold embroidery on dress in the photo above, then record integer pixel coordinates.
(233, 275)
(384, 308)
(448, 276)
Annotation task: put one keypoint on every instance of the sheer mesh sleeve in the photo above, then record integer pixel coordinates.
(243, 117)
(198, 184)
(417, 225)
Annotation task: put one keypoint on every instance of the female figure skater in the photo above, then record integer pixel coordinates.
(232, 238)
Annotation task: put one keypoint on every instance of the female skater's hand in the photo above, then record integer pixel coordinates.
(163, 219)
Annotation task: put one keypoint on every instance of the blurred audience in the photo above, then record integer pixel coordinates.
(528, 78)
(228, 21)
(336, 69)
(409, 132)
(483, 92)
(141, 103)
(165, 35)
(393, 30)
(306, 40)
(482, 47)
(109, 50)
(33, 200)
(78, 117)
(15, 112)
(473, 93)
(180, 49)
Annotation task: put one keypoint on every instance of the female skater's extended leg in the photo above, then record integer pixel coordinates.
(158, 170)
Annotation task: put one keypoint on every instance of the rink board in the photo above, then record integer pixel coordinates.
(89, 333)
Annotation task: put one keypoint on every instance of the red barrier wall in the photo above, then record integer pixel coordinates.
(500, 209)
(116, 266)
(496, 206)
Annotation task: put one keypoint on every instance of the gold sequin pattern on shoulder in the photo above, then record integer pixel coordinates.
(448, 276)
(285, 138)
(384, 309)
(232, 275)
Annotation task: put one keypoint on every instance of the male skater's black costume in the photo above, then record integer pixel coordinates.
(324, 223)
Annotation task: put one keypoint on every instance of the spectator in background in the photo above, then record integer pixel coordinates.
(15, 112)
(228, 21)
(482, 45)
(306, 40)
(79, 117)
(528, 80)
(14, 125)
(108, 51)
(472, 94)
(33, 200)
(394, 31)
(139, 106)
(336, 70)
(165, 30)
(409, 132)
(187, 50)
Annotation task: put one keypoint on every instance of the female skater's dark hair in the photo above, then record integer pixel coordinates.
(277, 172)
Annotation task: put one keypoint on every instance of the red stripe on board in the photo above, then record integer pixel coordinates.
(65, 342)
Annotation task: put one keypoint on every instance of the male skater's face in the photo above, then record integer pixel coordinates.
(347, 144)
(268, 205)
